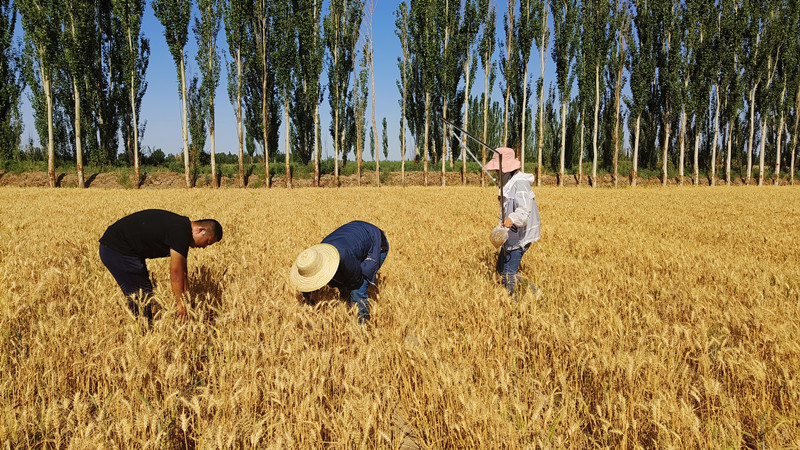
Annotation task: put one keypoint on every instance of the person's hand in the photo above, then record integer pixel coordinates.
(508, 223)
(180, 309)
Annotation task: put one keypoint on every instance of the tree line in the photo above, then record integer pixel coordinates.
(701, 87)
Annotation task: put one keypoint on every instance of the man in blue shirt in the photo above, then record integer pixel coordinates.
(347, 259)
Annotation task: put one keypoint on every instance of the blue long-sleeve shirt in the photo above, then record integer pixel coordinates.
(359, 245)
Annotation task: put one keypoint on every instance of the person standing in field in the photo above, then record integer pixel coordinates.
(154, 233)
(521, 219)
(347, 259)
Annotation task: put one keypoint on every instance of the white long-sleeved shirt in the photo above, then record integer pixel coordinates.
(520, 206)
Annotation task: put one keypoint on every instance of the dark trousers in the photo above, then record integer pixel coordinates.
(131, 275)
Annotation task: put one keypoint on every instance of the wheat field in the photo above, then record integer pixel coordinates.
(669, 319)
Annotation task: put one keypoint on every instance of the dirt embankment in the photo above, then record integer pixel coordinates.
(156, 180)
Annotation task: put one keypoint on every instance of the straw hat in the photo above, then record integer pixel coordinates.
(498, 236)
(314, 267)
(510, 161)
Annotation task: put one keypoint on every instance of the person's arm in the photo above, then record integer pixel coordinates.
(519, 217)
(179, 279)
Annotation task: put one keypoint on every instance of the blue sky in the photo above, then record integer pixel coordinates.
(161, 105)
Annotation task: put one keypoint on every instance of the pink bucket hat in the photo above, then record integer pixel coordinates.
(510, 161)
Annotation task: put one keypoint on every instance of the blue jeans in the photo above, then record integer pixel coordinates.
(508, 265)
(130, 273)
(358, 297)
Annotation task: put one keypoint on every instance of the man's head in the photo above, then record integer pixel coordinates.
(205, 232)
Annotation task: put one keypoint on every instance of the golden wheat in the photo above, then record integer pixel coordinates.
(669, 319)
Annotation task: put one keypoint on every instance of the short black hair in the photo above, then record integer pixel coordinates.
(213, 226)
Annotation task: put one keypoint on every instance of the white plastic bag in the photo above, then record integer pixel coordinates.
(498, 236)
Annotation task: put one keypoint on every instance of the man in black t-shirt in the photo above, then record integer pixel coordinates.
(154, 233)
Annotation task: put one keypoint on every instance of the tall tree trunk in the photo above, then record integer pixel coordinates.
(444, 146)
(239, 118)
(696, 159)
(563, 142)
(665, 152)
(403, 130)
(594, 127)
(135, 130)
(466, 121)
(617, 91)
(682, 137)
(778, 144)
(682, 143)
(287, 152)
(185, 128)
(729, 152)
(762, 149)
(337, 101)
(316, 145)
(524, 135)
(51, 148)
(794, 134)
(78, 139)
(750, 135)
(427, 124)
(635, 165)
(505, 116)
(716, 137)
(580, 150)
(264, 120)
(540, 139)
(486, 70)
(375, 134)
(212, 137)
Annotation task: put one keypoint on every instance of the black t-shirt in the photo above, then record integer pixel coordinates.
(149, 234)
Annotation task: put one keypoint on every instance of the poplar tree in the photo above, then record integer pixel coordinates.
(700, 24)
(40, 21)
(752, 60)
(542, 41)
(729, 97)
(206, 30)
(134, 57)
(585, 99)
(285, 70)
(174, 15)
(621, 23)
(197, 125)
(308, 92)
(792, 65)
(642, 62)
(384, 139)
(667, 18)
(360, 93)
(427, 57)
(77, 24)
(596, 41)
(369, 48)
(237, 31)
(486, 48)
(402, 25)
(509, 64)
(774, 26)
(468, 33)
(341, 32)
(531, 14)
(449, 72)
(11, 83)
(565, 30)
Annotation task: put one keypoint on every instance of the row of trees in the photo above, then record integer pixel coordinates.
(711, 84)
